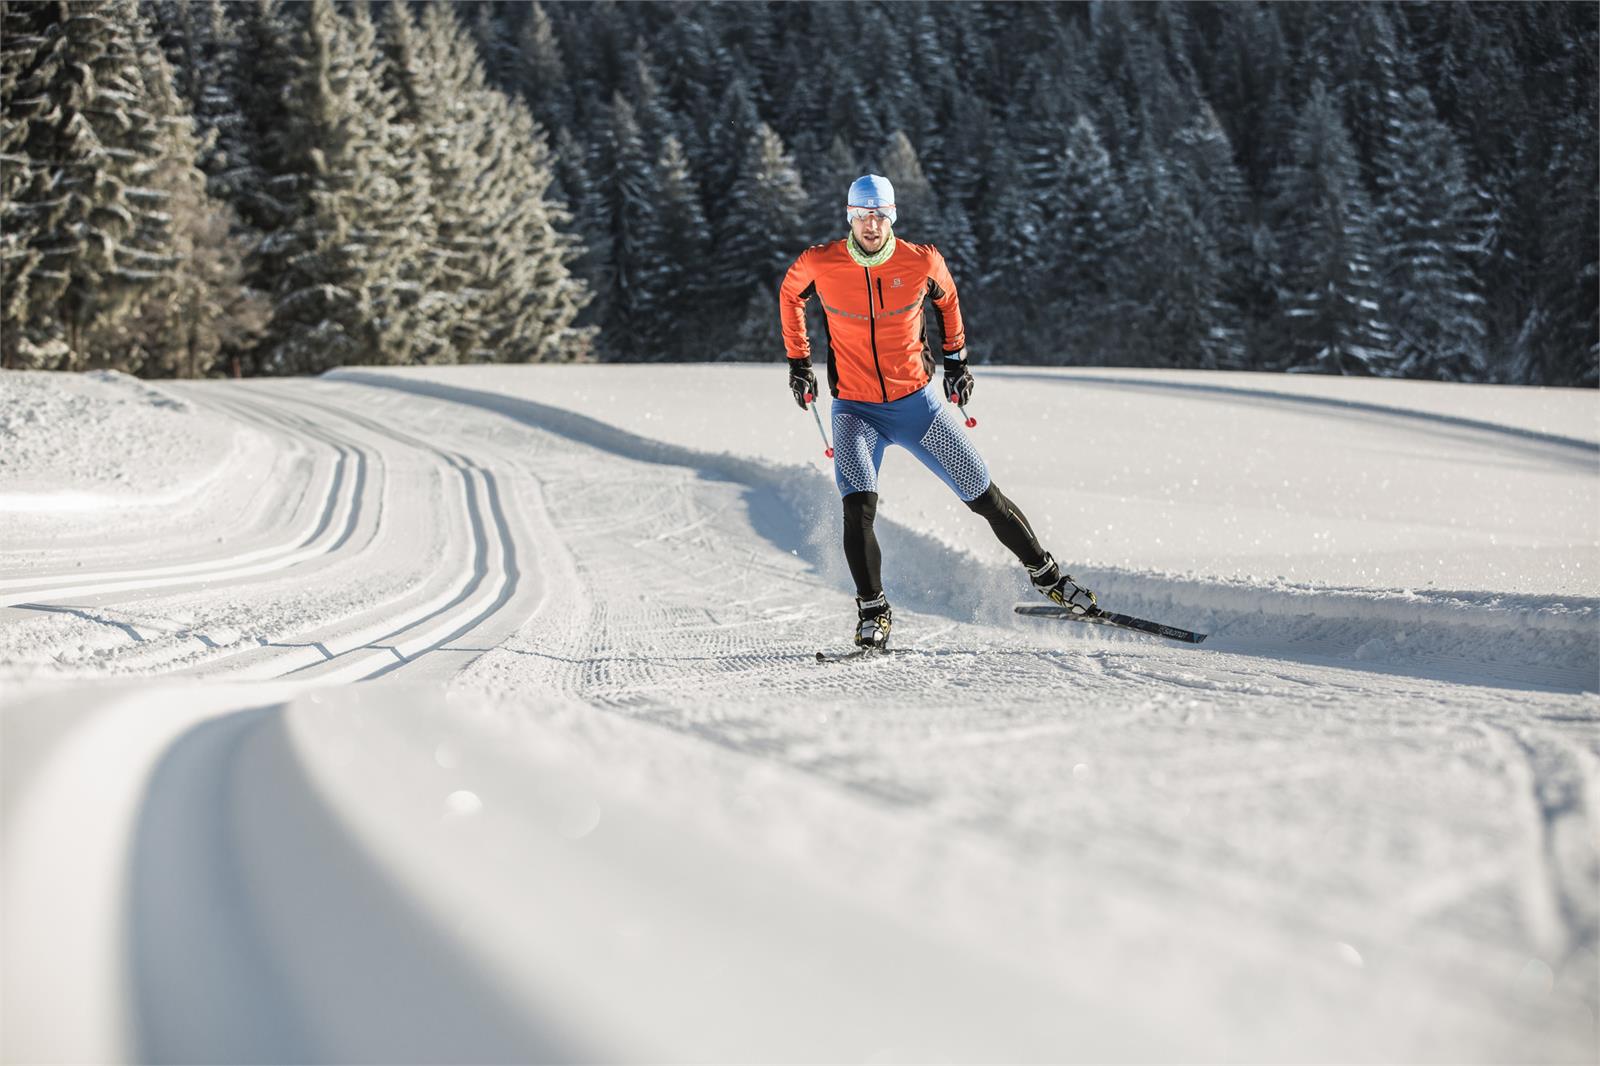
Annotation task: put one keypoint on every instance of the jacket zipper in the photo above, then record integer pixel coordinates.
(872, 331)
(880, 294)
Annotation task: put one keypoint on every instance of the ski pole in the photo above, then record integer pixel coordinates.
(811, 403)
(955, 398)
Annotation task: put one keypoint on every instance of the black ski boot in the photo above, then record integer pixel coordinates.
(1061, 589)
(872, 630)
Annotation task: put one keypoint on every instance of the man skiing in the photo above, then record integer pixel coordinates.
(880, 370)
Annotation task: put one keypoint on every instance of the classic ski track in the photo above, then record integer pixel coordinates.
(498, 586)
(339, 505)
(369, 522)
(376, 642)
(281, 479)
(133, 631)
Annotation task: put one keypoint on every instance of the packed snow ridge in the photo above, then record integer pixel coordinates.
(598, 800)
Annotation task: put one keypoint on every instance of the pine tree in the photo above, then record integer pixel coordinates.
(340, 271)
(1250, 96)
(531, 299)
(1559, 342)
(198, 41)
(961, 164)
(1369, 63)
(1172, 277)
(850, 111)
(835, 170)
(771, 201)
(498, 282)
(916, 205)
(1206, 176)
(635, 323)
(542, 70)
(182, 324)
(1011, 229)
(1089, 237)
(729, 136)
(1332, 319)
(959, 244)
(1434, 239)
(933, 66)
(1042, 111)
(85, 215)
(496, 43)
(24, 37)
(259, 181)
(587, 202)
(684, 283)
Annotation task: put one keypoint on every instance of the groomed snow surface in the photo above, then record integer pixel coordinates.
(594, 800)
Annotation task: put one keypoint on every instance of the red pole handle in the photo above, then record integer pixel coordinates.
(955, 398)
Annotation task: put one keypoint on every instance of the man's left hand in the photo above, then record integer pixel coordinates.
(958, 383)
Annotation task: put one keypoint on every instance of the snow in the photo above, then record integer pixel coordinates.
(594, 799)
(73, 443)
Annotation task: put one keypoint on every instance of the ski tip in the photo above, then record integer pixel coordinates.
(822, 656)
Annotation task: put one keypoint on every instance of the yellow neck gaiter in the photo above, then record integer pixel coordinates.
(877, 258)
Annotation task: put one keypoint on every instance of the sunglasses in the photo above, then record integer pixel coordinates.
(861, 214)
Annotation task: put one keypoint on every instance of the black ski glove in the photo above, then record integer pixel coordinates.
(802, 382)
(958, 381)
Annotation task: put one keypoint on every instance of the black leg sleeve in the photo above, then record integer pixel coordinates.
(861, 543)
(1009, 525)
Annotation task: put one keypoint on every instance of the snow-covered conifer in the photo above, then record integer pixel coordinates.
(916, 204)
(588, 204)
(182, 324)
(1433, 239)
(634, 321)
(1331, 304)
(961, 165)
(1091, 230)
(86, 213)
(959, 244)
(499, 289)
(771, 201)
(1011, 231)
(23, 37)
(255, 177)
(685, 240)
(1172, 277)
(343, 273)
(643, 89)
(542, 71)
(531, 299)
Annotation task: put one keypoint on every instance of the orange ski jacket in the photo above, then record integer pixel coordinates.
(876, 347)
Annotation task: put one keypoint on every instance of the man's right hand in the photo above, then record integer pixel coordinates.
(802, 382)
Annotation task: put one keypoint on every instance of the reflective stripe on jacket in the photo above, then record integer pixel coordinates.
(876, 349)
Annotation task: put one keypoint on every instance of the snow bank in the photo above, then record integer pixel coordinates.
(77, 442)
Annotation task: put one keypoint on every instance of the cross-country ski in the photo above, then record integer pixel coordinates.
(1110, 618)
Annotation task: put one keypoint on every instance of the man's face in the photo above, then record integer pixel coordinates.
(871, 229)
